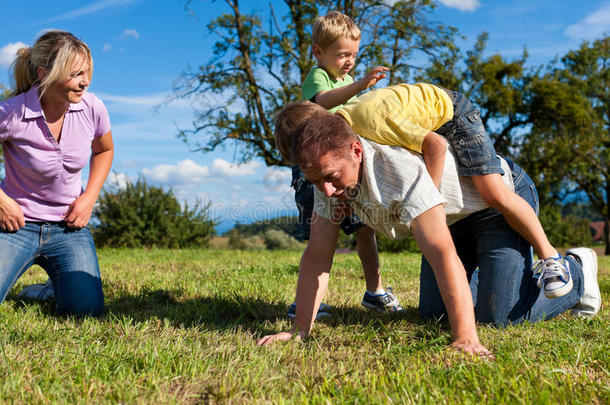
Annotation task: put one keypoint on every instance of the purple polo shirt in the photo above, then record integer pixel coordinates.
(44, 176)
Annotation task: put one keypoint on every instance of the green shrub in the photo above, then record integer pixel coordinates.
(346, 241)
(385, 244)
(239, 241)
(277, 239)
(287, 224)
(141, 215)
(565, 231)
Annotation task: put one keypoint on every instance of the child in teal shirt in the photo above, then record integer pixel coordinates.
(336, 40)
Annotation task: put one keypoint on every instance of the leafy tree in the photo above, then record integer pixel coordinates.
(553, 123)
(258, 66)
(287, 224)
(581, 210)
(4, 92)
(499, 87)
(565, 231)
(569, 145)
(143, 215)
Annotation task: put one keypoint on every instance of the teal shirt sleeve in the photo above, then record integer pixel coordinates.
(318, 80)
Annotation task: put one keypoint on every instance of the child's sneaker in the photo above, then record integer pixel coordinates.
(382, 302)
(38, 292)
(591, 299)
(323, 311)
(553, 276)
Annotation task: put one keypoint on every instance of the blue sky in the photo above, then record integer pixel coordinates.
(141, 46)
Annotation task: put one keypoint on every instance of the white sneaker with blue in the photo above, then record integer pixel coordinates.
(591, 300)
(385, 301)
(553, 276)
(38, 292)
(323, 311)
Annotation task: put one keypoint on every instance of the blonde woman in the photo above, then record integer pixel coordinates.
(49, 129)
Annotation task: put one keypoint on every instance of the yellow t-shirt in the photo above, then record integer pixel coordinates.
(399, 115)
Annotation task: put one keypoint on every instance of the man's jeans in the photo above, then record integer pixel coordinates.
(503, 289)
(68, 256)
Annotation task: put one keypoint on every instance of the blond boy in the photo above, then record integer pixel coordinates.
(336, 40)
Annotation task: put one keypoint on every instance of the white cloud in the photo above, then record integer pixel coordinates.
(91, 8)
(162, 100)
(462, 5)
(8, 53)
(117, 180)
(150, 100)
(185, 172)
(224, 168)
(131, 33)
(593, 26)
(106, 47)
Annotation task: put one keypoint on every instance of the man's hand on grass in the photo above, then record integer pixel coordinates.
(281, 337)
(473, 348)
(278, 337)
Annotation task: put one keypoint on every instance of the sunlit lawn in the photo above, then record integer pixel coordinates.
(181, 326)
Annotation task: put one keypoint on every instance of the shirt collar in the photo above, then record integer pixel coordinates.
(76, 106)
(33, 109)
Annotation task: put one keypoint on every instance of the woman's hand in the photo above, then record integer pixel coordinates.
(11, 215)
(79, 212)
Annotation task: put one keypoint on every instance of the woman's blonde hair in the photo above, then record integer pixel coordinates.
(332, 26)
(55, 51)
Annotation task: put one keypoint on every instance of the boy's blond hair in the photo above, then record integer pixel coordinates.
(332, 26)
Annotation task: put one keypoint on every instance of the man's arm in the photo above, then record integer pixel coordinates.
(432, 235)
(332, 98)
(434, 150)
(313, 278)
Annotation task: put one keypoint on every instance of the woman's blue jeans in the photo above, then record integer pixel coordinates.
(68, 256)
(498, 264)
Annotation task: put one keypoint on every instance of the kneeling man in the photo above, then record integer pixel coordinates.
(390, 189)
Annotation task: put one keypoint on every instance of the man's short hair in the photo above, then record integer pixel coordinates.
(322, 134)
(290, 121)
(334, 25)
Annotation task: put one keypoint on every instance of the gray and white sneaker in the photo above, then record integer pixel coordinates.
(553, 276)
(382, 302)
(38, 292)
(591, 299)
(323, 311)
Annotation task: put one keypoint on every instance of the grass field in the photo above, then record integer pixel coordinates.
(181, 327)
